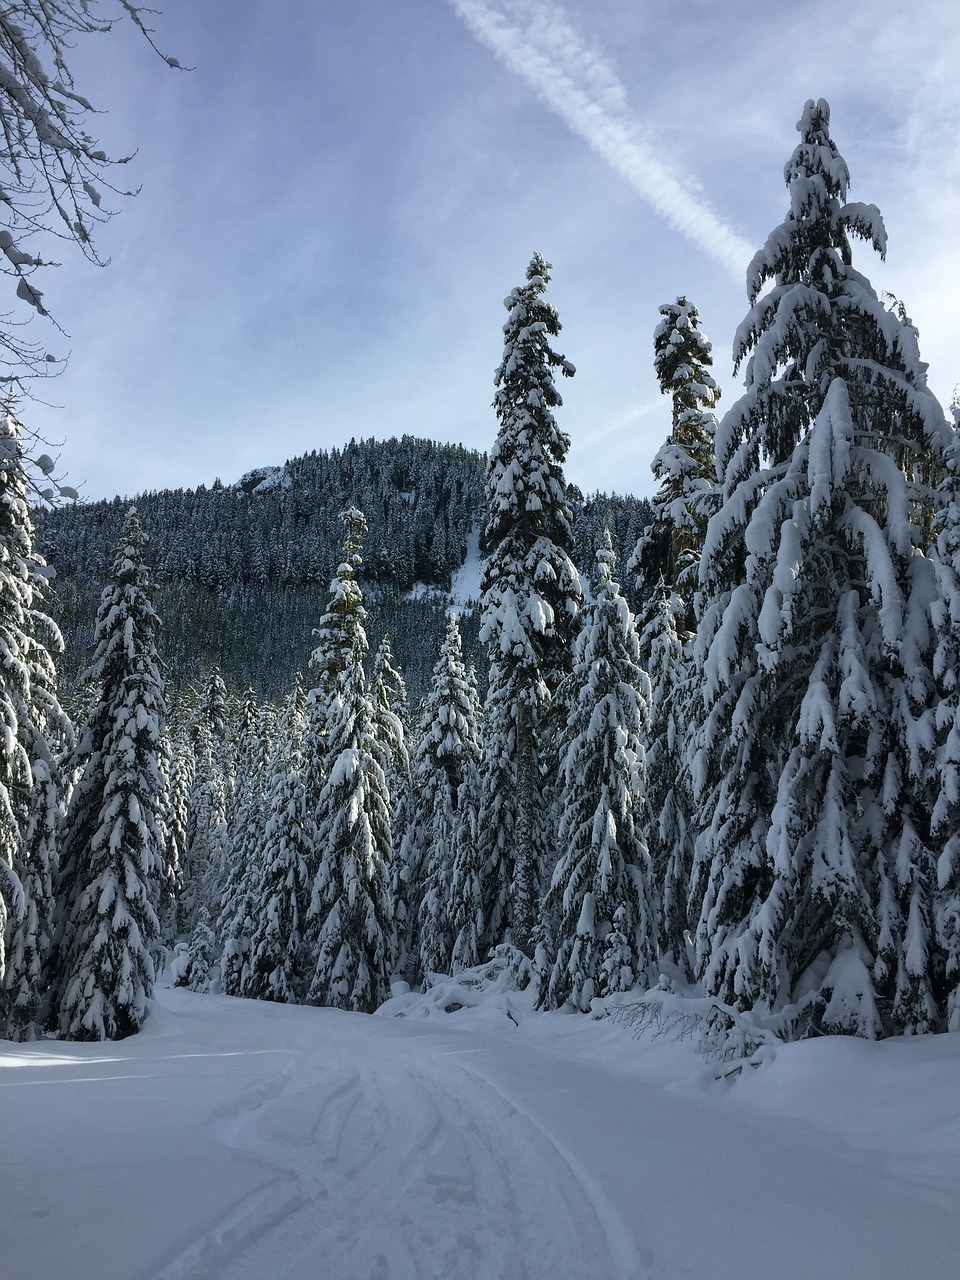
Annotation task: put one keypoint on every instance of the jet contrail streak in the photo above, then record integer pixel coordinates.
(535, 41)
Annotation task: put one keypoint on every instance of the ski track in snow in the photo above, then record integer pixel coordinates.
(238, 1140)
(462, 1183)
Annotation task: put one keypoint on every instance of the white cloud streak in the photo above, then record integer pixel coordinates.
(536, 42)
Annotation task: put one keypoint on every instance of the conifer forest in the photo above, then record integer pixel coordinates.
(707, 745)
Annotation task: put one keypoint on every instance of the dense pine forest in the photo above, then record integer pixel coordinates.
(267, 546)
(707, 745)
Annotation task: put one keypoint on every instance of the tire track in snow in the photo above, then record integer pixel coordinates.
(566, 1229)
(402, 1170)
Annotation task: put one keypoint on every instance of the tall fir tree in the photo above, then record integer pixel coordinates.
(350, 919)
(467, 889)
(447, 764)
(665, 654)
(945, 782)
(813, 874)
(208, 839)
(600, 913)
(530, 602)
(281, 896)
(246, 821)
(392, 733)
(685, 466)
(180, 776)
(112, 866)
(665, 561)
(337, 634)
(35, 730)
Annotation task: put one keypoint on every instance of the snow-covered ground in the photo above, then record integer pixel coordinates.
(465, 586)
(252, 1141)
(464, 593)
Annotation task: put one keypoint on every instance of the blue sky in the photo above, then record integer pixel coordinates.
(337, 197)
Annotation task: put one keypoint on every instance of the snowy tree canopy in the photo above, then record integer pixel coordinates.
(350, 918)
(813, 870)
(685, 465)
(34, 730)
(280, 875)
(600, 914)
(112, 862)
(530, 587)
(444, 830)
(530, 600)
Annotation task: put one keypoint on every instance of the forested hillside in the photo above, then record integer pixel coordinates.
(267, 546)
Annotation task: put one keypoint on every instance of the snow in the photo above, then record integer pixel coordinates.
(465, 587)
(241, 1139)
(262, 479)
(464, 590)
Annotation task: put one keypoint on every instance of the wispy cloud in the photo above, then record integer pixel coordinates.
(535, 41)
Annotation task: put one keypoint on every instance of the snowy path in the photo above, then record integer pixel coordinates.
(401, 1168)
(242, 1141)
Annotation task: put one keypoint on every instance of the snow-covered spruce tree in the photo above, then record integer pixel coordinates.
(467, 890)
(281, 895)
(112, 864)
(389, 698)
(349, 932)
(665, 561)
(665, 653)
(180, 777)
(497, 808)
(201, 954)
(391, 731)
(35, 728)
(603, 872)
(813, 873)
(208, 840)
(336, 636)
(446, 765)
(685, 466)
(945, 788)
(530, 600)
(240, 895)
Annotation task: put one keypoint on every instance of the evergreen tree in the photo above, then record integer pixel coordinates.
(201, 953)
(337, 635)
(391, 731)
(180, 777)
(112, 865)
(389, 698)
(467, 888)
(208, 840)
(600, 914)
(447, 761)
(282, 893)
(813, 874)
(34, 726)
(350, 921)
(240, 895)
(530, 597)
(685, 466)
(497, 808)
(669, 833)
(665, 561)
(945, 783)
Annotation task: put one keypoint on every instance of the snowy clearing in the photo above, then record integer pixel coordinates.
(239, 1139)
(465, 587)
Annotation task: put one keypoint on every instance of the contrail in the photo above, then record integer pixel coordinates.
(534, 41)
